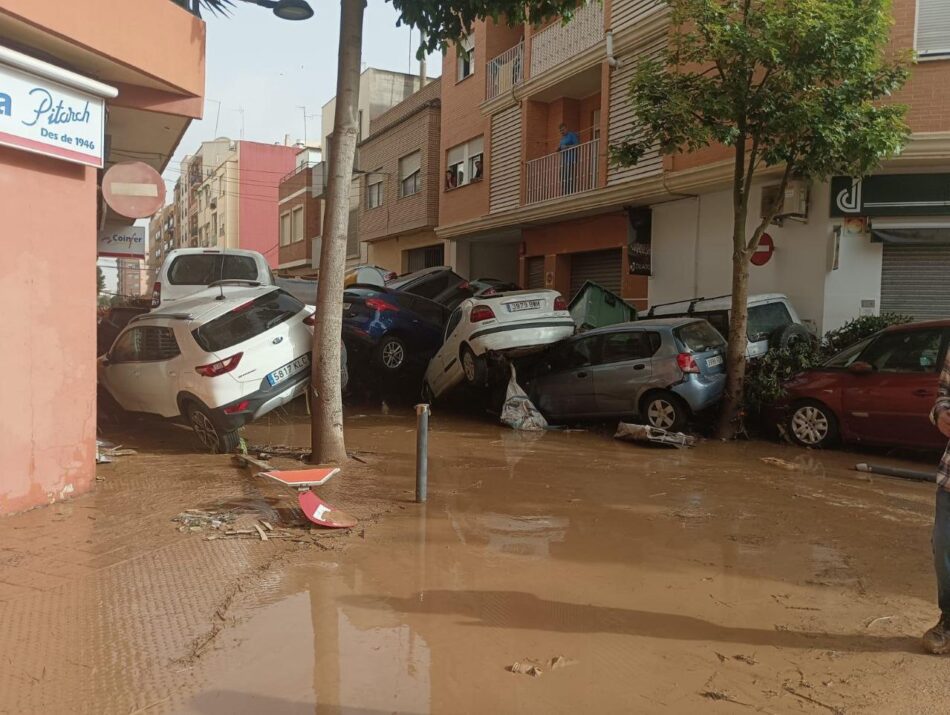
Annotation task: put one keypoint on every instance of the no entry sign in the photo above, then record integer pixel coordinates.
(763, 252)
(133, 189)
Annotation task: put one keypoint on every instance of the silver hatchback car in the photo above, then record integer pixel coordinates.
(663, 371)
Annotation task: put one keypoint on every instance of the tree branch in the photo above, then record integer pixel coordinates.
(773, 209)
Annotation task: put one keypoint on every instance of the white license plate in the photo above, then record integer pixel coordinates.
(289, 370)
(714, 361)
(523, 305)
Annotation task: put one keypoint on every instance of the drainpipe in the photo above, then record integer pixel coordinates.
(611, 60)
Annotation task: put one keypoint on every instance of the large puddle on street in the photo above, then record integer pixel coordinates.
(658, 581)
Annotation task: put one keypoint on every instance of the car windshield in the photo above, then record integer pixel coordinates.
(848, 355)
(203, 268)
(699, 336)
(766, 319)
(247, 320)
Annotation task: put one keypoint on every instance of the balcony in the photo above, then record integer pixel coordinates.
(562, 173)
(505, 71)
(558, 43)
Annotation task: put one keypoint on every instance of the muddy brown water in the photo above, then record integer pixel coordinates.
(679, 581)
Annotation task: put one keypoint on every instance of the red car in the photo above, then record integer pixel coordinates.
(879, 391)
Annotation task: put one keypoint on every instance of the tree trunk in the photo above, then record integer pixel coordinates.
(326, 426)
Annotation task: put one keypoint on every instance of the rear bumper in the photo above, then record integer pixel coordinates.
(521, 337)
(701, 391)
(260, 402)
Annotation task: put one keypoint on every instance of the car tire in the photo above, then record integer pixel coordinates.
(473, 367)
(812, 424)
(210, 436)
(792, 334)
(391, 353)
(664, 410)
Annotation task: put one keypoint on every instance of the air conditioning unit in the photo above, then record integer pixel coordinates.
(794, 203)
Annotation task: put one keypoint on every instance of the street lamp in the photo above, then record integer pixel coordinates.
(287, 9)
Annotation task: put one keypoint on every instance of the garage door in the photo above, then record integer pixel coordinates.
(914, 281)
(601, 267)
(535, 266)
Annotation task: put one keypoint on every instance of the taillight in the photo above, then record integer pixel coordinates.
(156, 294)
(687, 363)
(391, 276)
(244, 306)
(220, 367)
(560, 303)
(239, 407)
(480, 313)
(310, 320)
(379, 304)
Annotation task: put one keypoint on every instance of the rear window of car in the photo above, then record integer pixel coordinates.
(699, 336)
(766, 319)
(247, 320)
(204, 268)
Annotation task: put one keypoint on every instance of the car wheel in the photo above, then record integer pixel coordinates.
(665, 411)
(812, 424)
(472, 367)
(789, 336)
(392, 353)
(209, 435)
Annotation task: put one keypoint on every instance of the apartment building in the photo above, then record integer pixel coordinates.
(162, 237)
(399, 169)
(514, 207)
(132, 277)
(300, 209)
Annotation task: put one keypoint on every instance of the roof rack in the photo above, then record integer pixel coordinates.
(692, 303)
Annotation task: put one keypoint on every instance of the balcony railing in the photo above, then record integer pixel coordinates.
(557, 43)
(563, 173)
(505, 71)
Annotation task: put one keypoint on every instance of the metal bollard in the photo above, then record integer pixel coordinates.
(422, 452)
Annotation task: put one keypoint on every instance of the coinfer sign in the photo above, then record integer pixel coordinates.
(124, 242)
(46, 117)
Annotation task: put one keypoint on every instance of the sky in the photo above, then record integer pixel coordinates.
(260, 71)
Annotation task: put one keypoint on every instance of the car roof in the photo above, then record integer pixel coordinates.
(204, 305)
(643, 325)
(919, 325)
(723, 302)
(406, 277)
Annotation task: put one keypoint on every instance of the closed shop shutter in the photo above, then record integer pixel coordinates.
(914, 281)
(602, 267)
(535, 266)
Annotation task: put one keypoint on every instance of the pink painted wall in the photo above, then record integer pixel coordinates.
(48, 368)
(261, 169)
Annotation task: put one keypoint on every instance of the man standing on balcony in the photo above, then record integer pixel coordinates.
(569, 140)
(937, 639)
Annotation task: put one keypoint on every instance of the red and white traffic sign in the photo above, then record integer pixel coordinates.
(133, 189)
(763, 252)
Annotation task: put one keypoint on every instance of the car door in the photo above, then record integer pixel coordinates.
(444, 369)
(567, 390)
(158, 371)
(120, 374)
(624, 370)
(891, 404)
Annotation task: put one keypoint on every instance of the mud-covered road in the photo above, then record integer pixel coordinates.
(659, 581)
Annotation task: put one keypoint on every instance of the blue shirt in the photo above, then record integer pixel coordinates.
(568, 140)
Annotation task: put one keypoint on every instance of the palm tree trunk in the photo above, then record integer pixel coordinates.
(326, 427)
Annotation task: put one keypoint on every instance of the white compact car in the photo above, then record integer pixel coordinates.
(220, 360)
(510, 324)
(187, 272)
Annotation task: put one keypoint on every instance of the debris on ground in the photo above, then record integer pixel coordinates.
(780, 463)
(897, 472)
(653, 435)
(107, 451)
(519, 412)
(535, 668)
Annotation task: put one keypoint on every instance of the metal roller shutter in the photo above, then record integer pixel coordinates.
(914, 281)
(535, 266)
(602, 267)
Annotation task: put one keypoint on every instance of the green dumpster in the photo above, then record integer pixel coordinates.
(594, 307)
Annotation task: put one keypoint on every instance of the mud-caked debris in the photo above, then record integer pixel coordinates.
(535, 668)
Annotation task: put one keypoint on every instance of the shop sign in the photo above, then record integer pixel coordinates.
(123, 242)
(45, 117)
(891, 195)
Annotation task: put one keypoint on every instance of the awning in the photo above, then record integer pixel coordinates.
(922, 236)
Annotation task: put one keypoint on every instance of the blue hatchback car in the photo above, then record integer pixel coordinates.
(390, 330)
(662, 371)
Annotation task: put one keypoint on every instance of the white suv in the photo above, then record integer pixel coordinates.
(186, 272)
(219, 359)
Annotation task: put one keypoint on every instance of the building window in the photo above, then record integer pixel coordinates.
(465, 164)
(410, 174)
(466, 57)
(214, 224)
(374, 191)
(297, 224)
(285, 229)
(933, 28)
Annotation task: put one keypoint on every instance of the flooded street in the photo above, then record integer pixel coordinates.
(655, 580)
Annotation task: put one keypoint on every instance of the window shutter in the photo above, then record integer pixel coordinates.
(410, 164)
(456, 154)
(933, 27)
(475, 146)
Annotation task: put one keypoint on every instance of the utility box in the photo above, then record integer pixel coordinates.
(794, 202)
(594, 307)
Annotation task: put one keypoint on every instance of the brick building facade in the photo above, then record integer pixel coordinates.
(300, 216)
(400, 169)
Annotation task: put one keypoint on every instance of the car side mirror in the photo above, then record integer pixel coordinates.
(860, 368)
